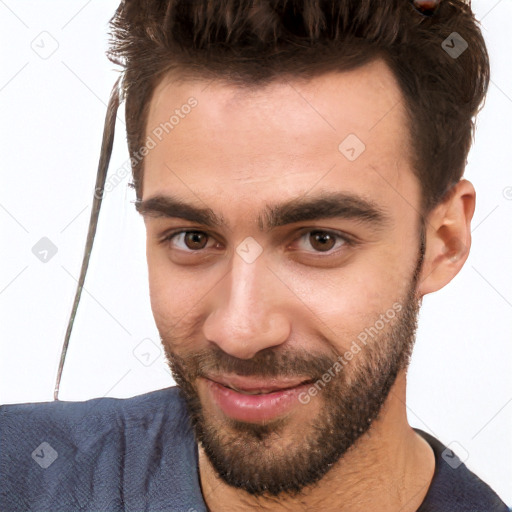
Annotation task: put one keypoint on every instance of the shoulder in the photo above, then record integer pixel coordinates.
(71, 421)
(69, 410)
(454, 487)
(101, 454)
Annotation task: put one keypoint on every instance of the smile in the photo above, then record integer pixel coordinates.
(254, 400)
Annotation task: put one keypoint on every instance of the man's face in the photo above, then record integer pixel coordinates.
(259, 312)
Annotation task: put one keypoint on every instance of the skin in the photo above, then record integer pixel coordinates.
(240, 149)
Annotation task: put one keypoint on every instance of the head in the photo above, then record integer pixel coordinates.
(298, 166)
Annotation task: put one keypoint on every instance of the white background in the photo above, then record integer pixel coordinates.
(52, 113)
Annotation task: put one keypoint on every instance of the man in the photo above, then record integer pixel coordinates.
(299, 170)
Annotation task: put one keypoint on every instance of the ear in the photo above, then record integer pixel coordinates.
(448, 238)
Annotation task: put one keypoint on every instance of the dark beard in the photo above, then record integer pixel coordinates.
(254, 457)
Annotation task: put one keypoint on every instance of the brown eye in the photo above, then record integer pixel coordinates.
(321, 241)
(195, 240)
(188, 240)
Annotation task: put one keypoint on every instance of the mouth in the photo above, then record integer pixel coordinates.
(254, 399)
(258, 386)
(254, 392)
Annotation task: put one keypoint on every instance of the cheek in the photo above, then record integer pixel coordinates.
(176, 299)
(164, 293)
(368, 284)
(342, 303)
(174, 320)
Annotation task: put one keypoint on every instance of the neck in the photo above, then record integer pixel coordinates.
(390, 465)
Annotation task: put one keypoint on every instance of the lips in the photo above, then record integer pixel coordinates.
(253, 399)
(258, 391)
(257, 386)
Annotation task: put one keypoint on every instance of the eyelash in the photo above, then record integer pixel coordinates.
(347, 241)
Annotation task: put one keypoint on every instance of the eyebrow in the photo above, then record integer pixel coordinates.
(327, 205)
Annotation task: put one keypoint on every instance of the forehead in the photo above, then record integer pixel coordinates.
(340, 130)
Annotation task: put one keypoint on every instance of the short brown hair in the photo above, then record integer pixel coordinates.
(252, 42)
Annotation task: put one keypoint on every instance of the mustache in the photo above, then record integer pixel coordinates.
(268, 363)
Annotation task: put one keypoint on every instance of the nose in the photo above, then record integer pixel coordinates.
(246, 317)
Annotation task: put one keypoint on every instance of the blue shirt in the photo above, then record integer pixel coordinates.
(139, 454)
